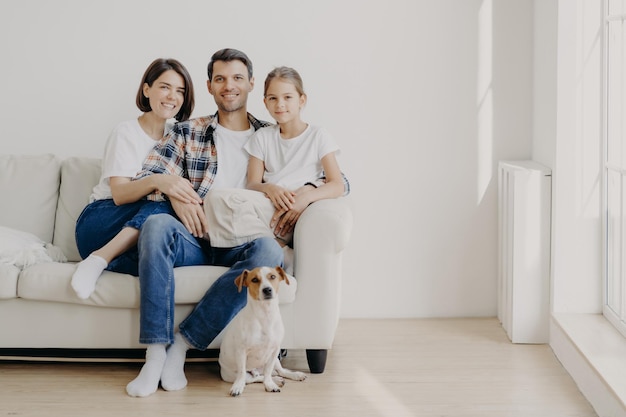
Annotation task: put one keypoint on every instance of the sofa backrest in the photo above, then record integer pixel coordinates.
(78, 177)
(29, 189)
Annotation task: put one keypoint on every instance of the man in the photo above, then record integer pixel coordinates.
(165, 242)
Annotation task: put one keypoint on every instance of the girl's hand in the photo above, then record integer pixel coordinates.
(280, 197)
(284, 221)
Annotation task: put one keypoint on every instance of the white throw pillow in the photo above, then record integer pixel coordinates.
(24, 249)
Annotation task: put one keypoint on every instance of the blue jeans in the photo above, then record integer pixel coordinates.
(164, 243)
(101, 220)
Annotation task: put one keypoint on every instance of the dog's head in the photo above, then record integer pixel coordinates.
(262, 282)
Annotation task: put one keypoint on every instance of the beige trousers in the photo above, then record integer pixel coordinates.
(236, 216)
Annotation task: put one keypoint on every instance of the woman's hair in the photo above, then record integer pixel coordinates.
(227, 55)
(154, 71)
(285, 73)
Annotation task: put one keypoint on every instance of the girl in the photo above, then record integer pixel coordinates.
(108, 228)
(285, 164)
(287, 158)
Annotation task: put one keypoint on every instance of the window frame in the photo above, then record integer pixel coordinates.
(609, 229)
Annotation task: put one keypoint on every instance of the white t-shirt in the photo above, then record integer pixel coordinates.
(291, 163)
(124, 153)
(232, 159)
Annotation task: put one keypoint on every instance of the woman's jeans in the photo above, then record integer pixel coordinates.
(164, 243)
(101, 220)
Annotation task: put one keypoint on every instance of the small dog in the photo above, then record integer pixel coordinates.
(251, 342)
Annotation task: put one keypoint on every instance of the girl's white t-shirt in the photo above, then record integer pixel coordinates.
(124, 153)
(232, 159)
(291, 163)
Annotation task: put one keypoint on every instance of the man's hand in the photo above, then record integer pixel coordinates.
(191, 216)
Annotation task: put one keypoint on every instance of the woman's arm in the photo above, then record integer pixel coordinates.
(124, 190)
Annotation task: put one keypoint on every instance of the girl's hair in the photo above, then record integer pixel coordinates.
(154, 71)
(285, 73)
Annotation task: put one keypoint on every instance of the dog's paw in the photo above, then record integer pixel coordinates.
(272, 387)
(236, 390)
(278, 380)
(294, 375)
(299, 376)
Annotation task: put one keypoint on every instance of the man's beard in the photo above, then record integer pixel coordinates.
(231, 106)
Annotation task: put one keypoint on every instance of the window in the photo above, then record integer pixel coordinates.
(615, 163)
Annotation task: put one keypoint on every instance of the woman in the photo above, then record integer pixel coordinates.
(108, 228)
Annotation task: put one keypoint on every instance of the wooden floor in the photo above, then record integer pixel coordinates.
(394, 368)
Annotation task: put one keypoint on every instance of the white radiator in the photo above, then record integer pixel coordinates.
(524, 200)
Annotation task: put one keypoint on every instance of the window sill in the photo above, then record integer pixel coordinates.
(594, 354)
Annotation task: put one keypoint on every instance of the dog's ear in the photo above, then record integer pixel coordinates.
(283, 275)
(242, 280)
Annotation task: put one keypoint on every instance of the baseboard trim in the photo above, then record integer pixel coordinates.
(93, 355)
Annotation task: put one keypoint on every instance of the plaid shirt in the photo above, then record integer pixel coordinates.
(189, 151)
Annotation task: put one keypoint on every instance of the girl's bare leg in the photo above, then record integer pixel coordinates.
(89, 270)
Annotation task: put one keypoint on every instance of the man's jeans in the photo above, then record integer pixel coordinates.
(101, 220)
(164, 243)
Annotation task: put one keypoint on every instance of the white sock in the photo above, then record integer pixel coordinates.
(147, 381)
(173, 375)
(87, 273)
(288, 262)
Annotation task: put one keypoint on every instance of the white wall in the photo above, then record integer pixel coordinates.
(545, 19)
(424, 97)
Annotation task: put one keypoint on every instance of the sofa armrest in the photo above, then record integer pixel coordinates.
(321, 235)
(325, 224)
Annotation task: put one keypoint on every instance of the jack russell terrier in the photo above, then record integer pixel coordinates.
(251, 342)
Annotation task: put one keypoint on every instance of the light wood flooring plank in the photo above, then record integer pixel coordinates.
(390, 368)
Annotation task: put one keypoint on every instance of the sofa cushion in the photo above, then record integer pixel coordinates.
(8, 281)
(31, 185)
(51, 282)
(78, 177)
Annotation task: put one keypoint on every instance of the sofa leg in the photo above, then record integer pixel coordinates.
(317, 360)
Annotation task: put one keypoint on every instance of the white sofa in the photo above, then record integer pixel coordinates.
(41, 316)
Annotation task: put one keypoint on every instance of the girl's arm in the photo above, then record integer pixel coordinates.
(282, 198)
(333, 188)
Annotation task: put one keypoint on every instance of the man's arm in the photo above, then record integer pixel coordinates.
(166, 157)
(322, 180)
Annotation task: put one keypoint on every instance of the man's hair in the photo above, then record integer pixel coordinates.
(226, 55)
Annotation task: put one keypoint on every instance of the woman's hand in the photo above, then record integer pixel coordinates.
(178, 188)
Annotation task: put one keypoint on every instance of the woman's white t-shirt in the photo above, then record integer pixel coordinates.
(291, 163)
(124, 153)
